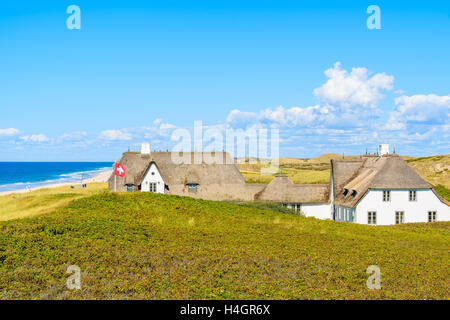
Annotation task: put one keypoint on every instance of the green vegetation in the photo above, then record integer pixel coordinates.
(141, 245)
(435, 169)
(431, 158)
(442, 191)
(20, 205)
(272, 206)
(300, 172)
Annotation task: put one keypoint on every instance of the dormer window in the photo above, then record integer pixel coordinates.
(354, 193)
(345, 192)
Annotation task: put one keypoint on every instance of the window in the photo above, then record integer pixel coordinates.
(292, 206)
(412, 195)
(351, 215)
(399, 217)
(386, 195)
(431, 216)
(192, 186)
(371, 217)
(152, 187)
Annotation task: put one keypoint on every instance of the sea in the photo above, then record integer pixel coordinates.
(23, 175)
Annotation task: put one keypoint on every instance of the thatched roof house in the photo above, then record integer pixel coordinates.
(370, 190)
(176, 177)
(353, 178)
(206, 176)
(282, 189)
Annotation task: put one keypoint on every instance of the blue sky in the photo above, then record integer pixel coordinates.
(137, 70)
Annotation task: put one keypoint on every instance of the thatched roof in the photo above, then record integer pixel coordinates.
(352, 179)
(282, 189)
(201, 170)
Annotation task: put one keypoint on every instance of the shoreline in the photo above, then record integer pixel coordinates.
(100, 177)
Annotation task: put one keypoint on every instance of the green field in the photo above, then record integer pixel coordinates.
(150, 246)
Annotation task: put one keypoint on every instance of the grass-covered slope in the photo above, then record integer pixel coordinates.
(434, 169)
(21, 205)
(167, 247)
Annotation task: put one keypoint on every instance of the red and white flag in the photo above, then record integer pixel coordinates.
(119, 170)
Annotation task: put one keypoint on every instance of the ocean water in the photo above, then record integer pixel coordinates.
(20, 175)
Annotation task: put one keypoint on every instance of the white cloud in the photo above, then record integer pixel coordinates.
(419, 110)
(9, 132)
(345, 90)
(166, 126)
(291, 117)
(113, 135)
(348, 99)
(347, 117)
(38, 138)
(73, 136)
(159, 129)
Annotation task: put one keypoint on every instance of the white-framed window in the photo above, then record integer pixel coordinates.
(372, 217)
(412, 195)
(152, 187)
(432, 216)
(399, 217)
(386, 195)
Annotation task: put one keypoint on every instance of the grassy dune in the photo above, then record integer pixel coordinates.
(41, 201)
(168, 247)
(300, 172)
(434, 169)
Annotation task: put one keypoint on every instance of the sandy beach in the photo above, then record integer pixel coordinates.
(101, 177)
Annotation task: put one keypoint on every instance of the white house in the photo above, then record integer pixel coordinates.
(153, 181)
(377, 190)
(313, 200)
(382, 191)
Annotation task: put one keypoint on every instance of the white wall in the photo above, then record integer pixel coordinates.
(319, 211)
(414, 211)
(153, 175)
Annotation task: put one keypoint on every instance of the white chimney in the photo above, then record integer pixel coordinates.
(384, 149)
(145, 148)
